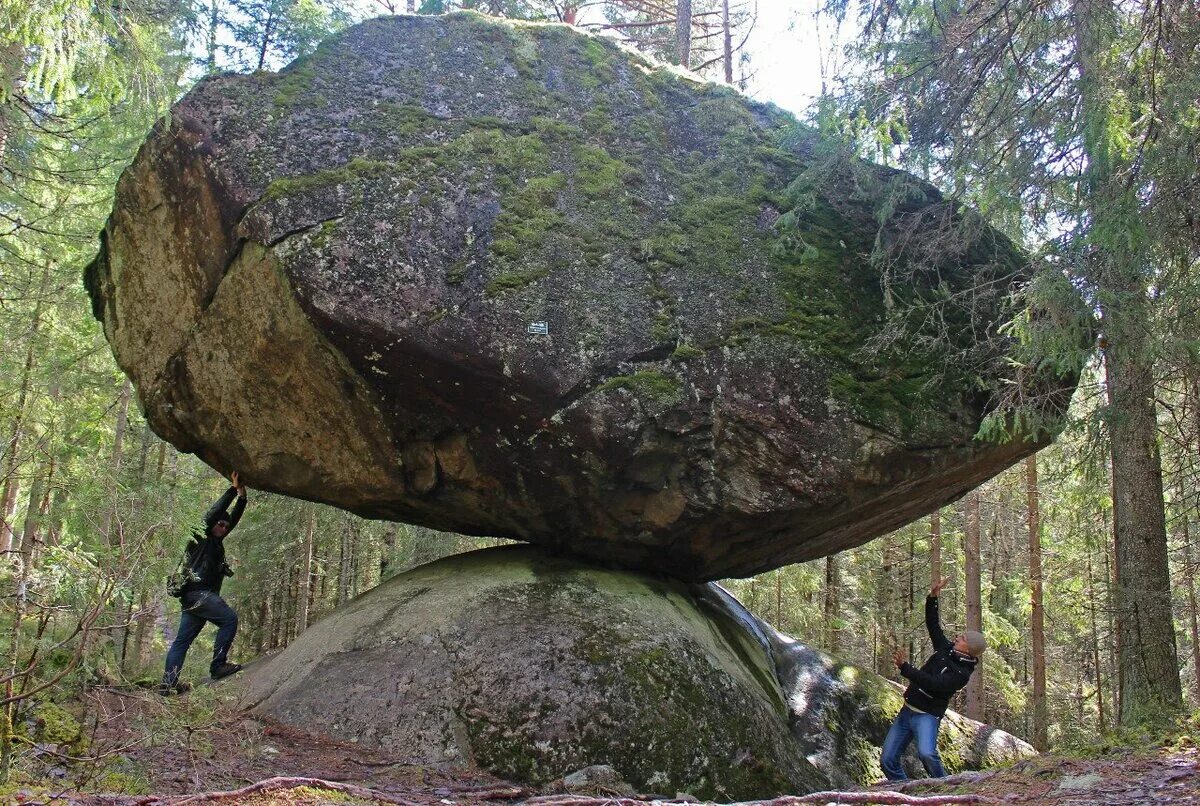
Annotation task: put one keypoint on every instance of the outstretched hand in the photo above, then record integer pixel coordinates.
(236, 481)
(899, 657)
(936, 588)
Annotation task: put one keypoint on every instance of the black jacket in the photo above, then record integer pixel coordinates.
(205, 553)
(947, 670)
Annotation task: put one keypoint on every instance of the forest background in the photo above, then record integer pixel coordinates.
(1072, 125)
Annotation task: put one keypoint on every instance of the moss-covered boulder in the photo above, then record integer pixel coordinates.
(534, 667)
(514, 280)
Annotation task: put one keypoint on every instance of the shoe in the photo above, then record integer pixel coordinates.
(225, 669)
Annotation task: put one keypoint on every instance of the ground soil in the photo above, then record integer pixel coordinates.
(167, 749)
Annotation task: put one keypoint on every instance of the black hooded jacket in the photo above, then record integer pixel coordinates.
(205, 553)
(947, 670)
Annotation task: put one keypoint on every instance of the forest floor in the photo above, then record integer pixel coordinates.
(147, 750)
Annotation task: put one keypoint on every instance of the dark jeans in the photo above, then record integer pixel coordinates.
(200, 607)
(907, 726)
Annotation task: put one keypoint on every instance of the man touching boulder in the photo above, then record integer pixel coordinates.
(200, 596)
(929, 691)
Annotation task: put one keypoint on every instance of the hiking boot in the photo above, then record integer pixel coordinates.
(178, 688)
(225, 669)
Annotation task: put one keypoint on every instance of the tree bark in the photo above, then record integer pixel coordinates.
(935, 548)
(831, 603)
(306, 569)
(115, 463)
(885, 615)
(683, 32)
(8, 497)
(1037, 617)
(974, 601)
(727, 42)
(1099, 677)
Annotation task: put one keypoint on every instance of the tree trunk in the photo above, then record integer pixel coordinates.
(1037, 617)
(885, 615)
(1189, 567)
(115, 462)
(727, 42)
(831, 603)
(935, 548)
(8, 496)
(1148, 657)
(1099, 677)
(974, 601)
(306, 569)
(683, 32)
(214, 21)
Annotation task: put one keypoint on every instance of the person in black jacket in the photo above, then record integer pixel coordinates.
(929, 691)
(201, 599)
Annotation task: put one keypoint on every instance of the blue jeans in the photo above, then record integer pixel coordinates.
(907, 725)
(200, 607)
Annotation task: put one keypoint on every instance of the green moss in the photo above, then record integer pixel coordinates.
(527, 216)
(402, 120)
(354, 170)
(648, 384)
(458, 271)
(684, 351)
(598, 174)
(124, 783)
(506, 281)
(294, 86)
(664, 326)
(56, 725)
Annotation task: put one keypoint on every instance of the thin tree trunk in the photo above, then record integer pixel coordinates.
(115, 463)
(1110, 578)
(1037, 617)
(911, 574)
(683, 32)
(935, 548)
(145, 618)
(884, 614)
(779, 598)
(1189, 567)
(214, 22)
(974, 601)
(1095, 645)
(727, 41)
(306, 569)
(264, 614)
(8, 497)
(831, 603)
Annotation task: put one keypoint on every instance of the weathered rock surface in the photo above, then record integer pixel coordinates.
(513, 280)
(534, 667)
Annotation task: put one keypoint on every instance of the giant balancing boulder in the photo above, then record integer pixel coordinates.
(514, 280)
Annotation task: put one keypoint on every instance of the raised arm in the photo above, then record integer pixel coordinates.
(932, 621)
(235, 514)
(220, 505)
